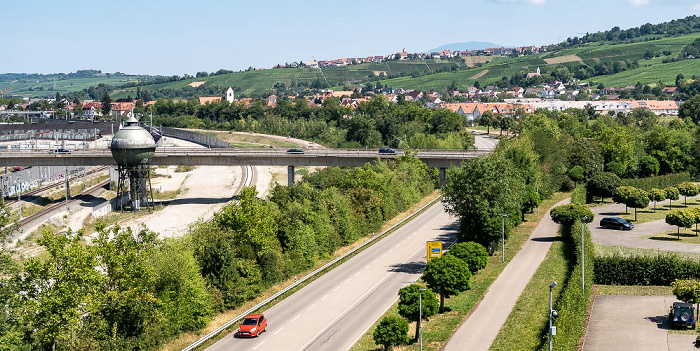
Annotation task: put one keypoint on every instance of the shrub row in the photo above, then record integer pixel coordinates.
(579, 195)
(573, 302)
(661, 269)
(659, 182)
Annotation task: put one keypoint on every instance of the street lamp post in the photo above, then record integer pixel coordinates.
(420, 317)
(552, 313)
(583, 270)
(503, 237)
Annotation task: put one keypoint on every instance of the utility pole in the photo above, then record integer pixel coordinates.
(67, 189)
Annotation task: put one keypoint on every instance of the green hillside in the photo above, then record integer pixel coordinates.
(650, 71)
(44, 87)
(264, 81)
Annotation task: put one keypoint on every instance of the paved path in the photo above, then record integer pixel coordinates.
(633, 238)
(633, 323)
(481, 328)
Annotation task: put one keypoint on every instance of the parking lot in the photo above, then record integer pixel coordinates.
(634, 323)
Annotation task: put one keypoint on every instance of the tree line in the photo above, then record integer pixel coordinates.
(135, 291)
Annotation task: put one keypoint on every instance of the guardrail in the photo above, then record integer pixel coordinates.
(305, 278)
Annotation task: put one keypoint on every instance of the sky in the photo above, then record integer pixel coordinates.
(175, 37)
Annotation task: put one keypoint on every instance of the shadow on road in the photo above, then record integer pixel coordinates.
(195, 200)
(547, 239)
(408, 267)
(661, 321)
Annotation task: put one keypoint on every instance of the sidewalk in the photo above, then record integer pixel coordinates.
(480, 329)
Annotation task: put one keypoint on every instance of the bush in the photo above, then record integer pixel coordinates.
(576, 173)
(579, 195)
(391, 331)
(648, 166)
(567, 184)
(570, 213)
(616, 167)
(661, 269)
(473, 254)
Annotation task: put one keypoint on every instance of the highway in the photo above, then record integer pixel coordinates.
(335, 310)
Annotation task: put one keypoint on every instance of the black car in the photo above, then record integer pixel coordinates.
(62, 151)
(295, 151)
(682, 314)
(616, 223)
(387, 150)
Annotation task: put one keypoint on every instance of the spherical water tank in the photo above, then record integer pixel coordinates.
(132, 145)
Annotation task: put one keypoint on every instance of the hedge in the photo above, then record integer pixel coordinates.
(573, 303)
(579, 195)
(661, 269)
(659, 182)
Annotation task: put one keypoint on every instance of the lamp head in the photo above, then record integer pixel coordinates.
(551, 286)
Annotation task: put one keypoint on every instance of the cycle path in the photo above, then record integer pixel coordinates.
(481, 327)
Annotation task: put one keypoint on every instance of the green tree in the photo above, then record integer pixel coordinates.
(638, 198)
(576, 173)
(672, 193)
(648, 166)
(481, 190)
(622, 194)
(688, 189)
(690, 109)
(570, 213)
(391, 331)
(409, 301)
(488, 120)
(57, 291)
(447, 275)
(106, 104)
(681, 218)
(656, 195)
(603, 185)
(473, 254)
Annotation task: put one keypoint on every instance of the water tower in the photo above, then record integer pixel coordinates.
(133, 148)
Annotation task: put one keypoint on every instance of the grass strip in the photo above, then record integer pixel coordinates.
(439, 328)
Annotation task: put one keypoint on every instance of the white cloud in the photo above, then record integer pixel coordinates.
(639, 2)
(696, 7)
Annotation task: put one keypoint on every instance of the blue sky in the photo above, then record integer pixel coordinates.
(177, 37)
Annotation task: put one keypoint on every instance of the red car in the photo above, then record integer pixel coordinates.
(252, 325)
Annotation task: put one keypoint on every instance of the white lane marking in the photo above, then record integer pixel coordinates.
(367, 266)
(260, 344)
(278, 330)
(336, 288)
(323, 298)
(297, 317)
(358, 272)
(310, 307)
(368, 291)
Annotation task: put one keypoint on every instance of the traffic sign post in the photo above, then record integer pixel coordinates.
(434, 249)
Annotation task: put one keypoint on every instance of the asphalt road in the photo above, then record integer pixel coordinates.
(633, 238)
(633, 323)
(335, 310)
(480, 329)
(482, 142)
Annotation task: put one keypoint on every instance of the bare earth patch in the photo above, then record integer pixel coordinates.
(196, 84)
(562, 59)
(479, 75)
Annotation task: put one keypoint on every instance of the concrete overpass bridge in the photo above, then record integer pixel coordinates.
(441, 159)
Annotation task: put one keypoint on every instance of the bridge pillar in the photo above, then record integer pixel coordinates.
(442, 176)
(290, 176)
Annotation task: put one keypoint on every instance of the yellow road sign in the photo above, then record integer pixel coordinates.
(434, 249)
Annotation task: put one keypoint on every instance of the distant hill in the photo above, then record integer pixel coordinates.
(470, 45)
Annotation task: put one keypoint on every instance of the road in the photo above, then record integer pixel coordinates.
(335, 310)
(480, 329)
(482, 142)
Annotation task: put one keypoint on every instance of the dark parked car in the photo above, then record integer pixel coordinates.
(616, 223)
(295, 151)
(62, 151)
(682, 314)
(387, 150)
